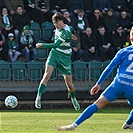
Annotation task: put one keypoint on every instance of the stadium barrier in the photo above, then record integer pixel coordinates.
(22, 79)
(22, 76)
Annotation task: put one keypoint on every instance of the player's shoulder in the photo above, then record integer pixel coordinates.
(128, 49)
(68, 29)
(66, 32)
(71, 28)
(125, 51)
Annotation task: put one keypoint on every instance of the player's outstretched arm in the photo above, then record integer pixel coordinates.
(38, 45)
(95, 89)
(49, 45)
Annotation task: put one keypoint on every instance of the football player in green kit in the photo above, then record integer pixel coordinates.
(59, 56)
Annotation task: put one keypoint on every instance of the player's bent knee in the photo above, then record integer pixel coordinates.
(101, 102)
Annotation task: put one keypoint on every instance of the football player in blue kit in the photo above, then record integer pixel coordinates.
(122, 85)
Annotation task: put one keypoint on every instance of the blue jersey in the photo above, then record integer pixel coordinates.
(124, 60)
(122, 84)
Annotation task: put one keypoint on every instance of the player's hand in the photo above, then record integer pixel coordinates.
(95, 89)
(74, 37)
(38, 45)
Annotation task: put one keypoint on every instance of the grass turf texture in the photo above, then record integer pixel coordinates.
(43, 121)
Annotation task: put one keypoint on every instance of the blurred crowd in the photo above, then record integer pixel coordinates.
(102, 26)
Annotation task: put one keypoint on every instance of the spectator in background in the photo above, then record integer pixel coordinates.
(110, 21)
(130, 8)
(58, 5)
(6, 22)
(46, 14)
(96, 21)
(88, 44)
(77, 52)
(74, 5)
(125, 21)
(12, 48)
(31, 11)
(88, 8)
(2, 4)
(118, 6)
(81, 22)
(119, 39)
(69, 20)
(13, 4)
(42, 3)
(27, 44)
(28, 5)
(105, 49)
(102, 5)
(19, 20)
(3, 47)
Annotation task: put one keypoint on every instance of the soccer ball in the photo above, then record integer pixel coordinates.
(11, 101)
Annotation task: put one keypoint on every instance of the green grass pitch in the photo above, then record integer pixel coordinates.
(43, 121)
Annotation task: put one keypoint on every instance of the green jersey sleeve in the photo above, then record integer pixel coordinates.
(66, 35)
(52, 45)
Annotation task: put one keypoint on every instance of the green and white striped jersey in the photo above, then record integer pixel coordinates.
(63, 38)
(65, 35)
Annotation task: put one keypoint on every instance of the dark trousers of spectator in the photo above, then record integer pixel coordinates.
(88, 54)
(29, 53)
(104, 53)
(4, 55)
(5, 32)
(76, 55)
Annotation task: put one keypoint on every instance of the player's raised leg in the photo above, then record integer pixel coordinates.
(74, 101)
(70, 86)
(42, 87)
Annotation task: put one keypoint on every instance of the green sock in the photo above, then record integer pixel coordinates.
(41, 89)
(72, 94)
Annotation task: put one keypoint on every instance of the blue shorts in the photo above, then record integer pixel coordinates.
(117, 90)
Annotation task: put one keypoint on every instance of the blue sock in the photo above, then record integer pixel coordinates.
(87, 113)
(130, 118)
